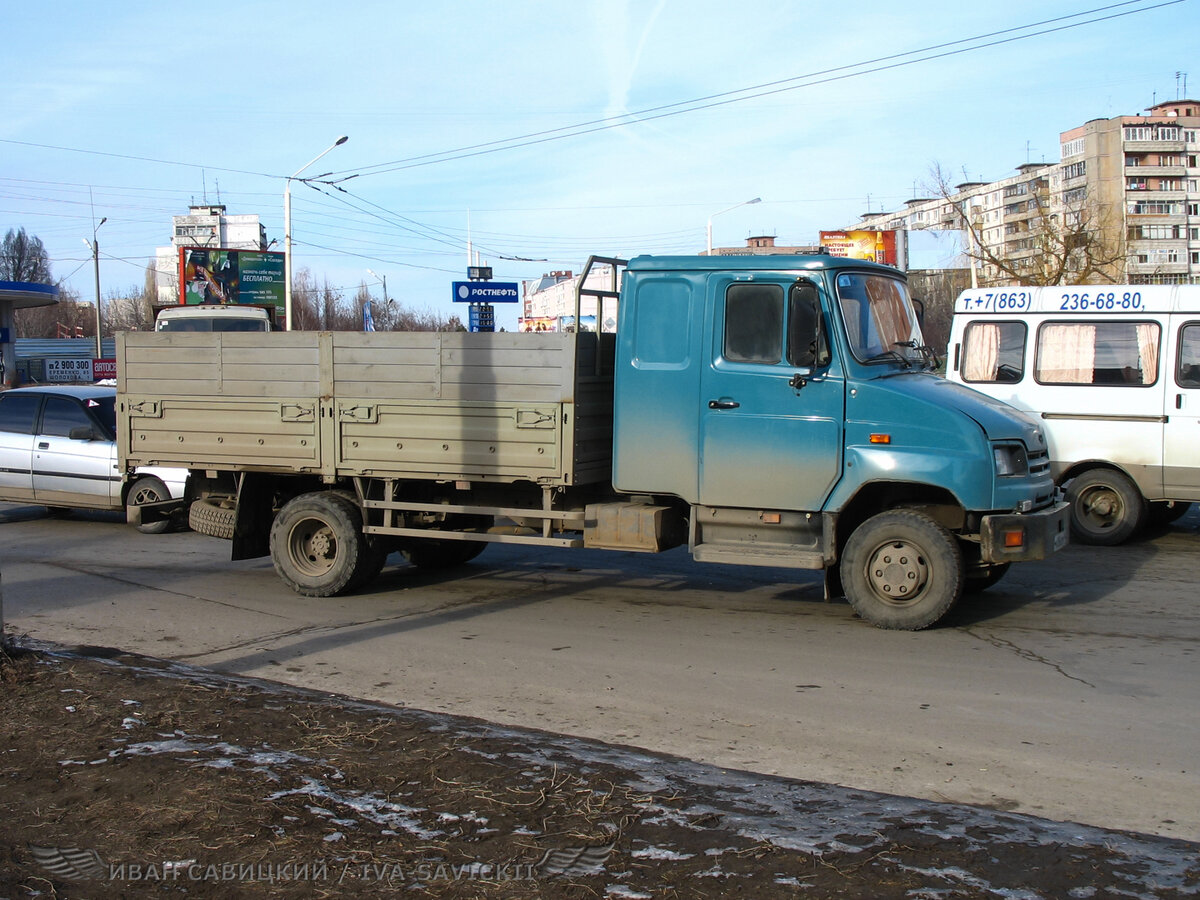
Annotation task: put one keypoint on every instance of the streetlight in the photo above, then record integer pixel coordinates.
(382, 278)
(287, 232)
(714, 215)
(94, 246)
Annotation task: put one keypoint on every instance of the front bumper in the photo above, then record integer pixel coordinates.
(1017, 537)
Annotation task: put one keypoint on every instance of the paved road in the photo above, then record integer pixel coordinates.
(1070, 690)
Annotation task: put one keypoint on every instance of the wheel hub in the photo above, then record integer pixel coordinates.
(897, 572)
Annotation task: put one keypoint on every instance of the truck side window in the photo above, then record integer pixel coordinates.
(754, 323)
(1188, 373)
(994, 351)
(808, 347)
(17, 412)
(1117, 353)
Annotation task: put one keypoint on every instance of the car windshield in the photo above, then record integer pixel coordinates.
(880, 319)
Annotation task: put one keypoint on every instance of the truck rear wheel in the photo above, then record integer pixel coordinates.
(902, 570)
(443, 554)
(317, 544)
(1106, 507)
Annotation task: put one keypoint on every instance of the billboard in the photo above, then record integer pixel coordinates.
(879, 246)
(252, 277)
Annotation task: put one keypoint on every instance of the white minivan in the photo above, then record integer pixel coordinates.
(1112, 372)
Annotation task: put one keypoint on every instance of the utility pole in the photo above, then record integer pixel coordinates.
(94, 244)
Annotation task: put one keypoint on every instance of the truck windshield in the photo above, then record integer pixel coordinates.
(880, 320)
(213, 324)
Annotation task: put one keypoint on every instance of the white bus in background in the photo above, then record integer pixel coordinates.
(1113, 374)
(212, 317)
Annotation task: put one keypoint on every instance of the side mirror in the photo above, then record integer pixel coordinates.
(808, 347)
(82, 433)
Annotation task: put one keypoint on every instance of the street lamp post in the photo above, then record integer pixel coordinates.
(382, 278)
(714, 215)
(94, 246)
(287, 231)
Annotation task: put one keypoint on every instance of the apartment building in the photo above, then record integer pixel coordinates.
(1122, 204)
(204, 226)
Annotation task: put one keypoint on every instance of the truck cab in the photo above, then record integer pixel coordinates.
(212, 317)
(791, 402)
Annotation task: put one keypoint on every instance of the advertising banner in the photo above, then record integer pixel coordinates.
(878, 246)
(251, 277)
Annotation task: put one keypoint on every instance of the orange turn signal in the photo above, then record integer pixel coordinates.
(881, 439)
(1014, 538)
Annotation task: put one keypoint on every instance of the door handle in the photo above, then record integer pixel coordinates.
(723, 404)
(45, 445)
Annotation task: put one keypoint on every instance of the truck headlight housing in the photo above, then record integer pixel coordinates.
(1011, 460)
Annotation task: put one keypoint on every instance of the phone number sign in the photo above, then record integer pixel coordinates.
(60, 370)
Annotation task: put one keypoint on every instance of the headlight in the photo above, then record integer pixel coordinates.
(1010, 460)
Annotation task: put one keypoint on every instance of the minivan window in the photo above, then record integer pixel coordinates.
(1114, 353)
(1188, 371)
(994, 352)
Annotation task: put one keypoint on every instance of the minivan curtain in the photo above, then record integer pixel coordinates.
(1147, 337)
(981, 352)
(1067, 354)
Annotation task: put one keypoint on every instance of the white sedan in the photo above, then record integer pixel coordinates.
(58, 449)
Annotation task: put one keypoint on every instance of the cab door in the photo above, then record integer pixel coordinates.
(73, 471)
(18, 416)
(1181, 434)
(772, 400)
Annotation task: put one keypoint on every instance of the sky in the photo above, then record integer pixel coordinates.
(541, 132)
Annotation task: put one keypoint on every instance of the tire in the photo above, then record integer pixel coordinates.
(1106, 507)
(902, 570)
(149, 490)
(443, 554)
(1164, 513)
(214, 516)
(984, 577)
(317, 544)
(371, 560)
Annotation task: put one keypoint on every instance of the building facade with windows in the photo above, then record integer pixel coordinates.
(203, 226)
(1128, 186)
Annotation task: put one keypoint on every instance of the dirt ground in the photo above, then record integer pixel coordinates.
(127, 777)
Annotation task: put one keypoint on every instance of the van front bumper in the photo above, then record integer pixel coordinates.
(1017, 537)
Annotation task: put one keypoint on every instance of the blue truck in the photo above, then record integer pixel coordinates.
(763, 410)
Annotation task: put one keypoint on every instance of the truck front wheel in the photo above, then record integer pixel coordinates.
(1106, 507)
(317, 544)
(902, 570)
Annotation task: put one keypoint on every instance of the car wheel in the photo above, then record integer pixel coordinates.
(149, 489)
(902, 570)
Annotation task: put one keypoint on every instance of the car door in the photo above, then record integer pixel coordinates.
(772, 404)
(73, 471)
(18, 414)
(1181, 467)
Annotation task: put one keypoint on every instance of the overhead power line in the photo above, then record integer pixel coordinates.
(739, 95)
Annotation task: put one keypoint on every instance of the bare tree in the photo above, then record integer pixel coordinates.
(126, 312)
(24, 258)
(937, 290)
(66, 318)
(1050, 240)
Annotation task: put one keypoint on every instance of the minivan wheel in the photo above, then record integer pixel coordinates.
(1106, 507)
